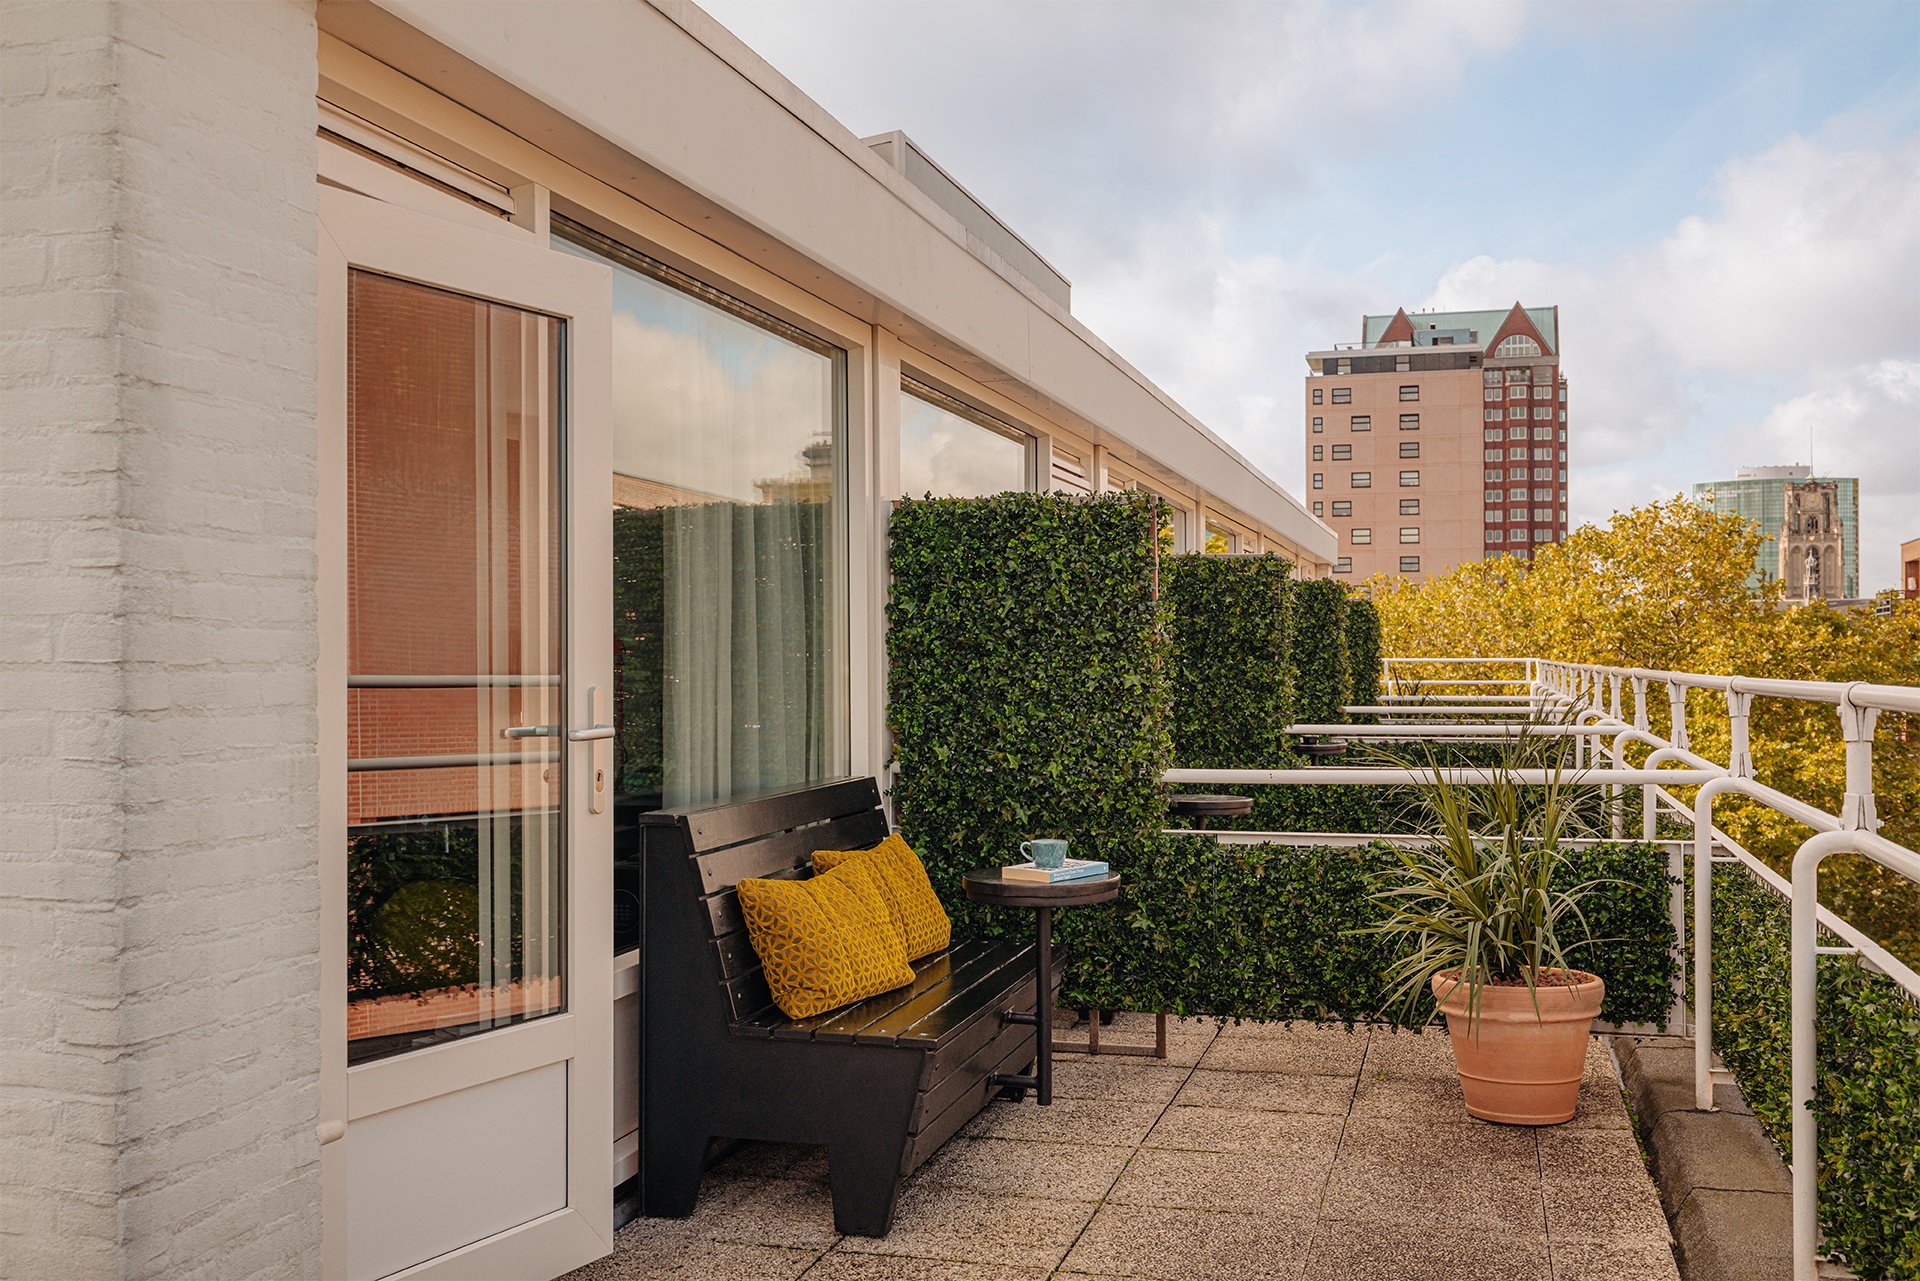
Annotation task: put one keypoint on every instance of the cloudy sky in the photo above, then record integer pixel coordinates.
(1723, 199)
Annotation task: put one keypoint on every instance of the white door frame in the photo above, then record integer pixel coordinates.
(359, 232)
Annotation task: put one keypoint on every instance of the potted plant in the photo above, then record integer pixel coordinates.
(1486, 922)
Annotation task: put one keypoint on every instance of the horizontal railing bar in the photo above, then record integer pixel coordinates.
(1413, 733)
(1450, 709)
(1226, 836)
(1390, 777)
(448, 682)
(459, 760)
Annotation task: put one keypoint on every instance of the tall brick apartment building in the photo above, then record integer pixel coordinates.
(1439, 438)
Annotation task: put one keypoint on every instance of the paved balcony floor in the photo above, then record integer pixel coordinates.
(1255, 1151)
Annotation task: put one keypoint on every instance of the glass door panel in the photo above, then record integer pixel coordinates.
(455, 660)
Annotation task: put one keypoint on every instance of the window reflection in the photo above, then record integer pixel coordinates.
(950, 455)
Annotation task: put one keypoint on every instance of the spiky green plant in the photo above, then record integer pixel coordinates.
(1480, 896)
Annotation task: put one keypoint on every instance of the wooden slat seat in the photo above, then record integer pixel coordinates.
(882, 1082)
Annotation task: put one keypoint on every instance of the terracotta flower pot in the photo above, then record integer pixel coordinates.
(1521, 1065)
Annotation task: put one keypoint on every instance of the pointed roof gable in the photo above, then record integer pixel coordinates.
(1399, 329)
(1518, 322)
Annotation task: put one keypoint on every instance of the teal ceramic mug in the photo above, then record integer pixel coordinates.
(1045, 854)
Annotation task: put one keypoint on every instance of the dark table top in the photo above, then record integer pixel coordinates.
(1202, 804)
(985, 885)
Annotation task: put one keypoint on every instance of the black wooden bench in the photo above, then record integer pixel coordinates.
(882, 1083)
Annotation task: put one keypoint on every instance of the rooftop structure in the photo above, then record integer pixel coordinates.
(1782, 501)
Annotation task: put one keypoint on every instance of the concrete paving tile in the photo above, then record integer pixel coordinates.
(641, 1255)
(1268, 1092)
(935, 1222)
(1048, 1171)
(1189, 1245)
(1598, 1189)
(1593, 1261)
(779, 1212)
(1412, 1174)
(1103, 1121)
(1390, 1096)
(1311, 1051)
(1289, 1136)
(847, 1265)
(1229, 1181)
(1135, 1081)
(1410, 1054)
(1357, 1252)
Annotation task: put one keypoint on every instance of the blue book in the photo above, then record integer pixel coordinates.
(1074, 869)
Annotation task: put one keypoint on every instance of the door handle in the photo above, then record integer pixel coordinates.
(600, 733)
(530, 731)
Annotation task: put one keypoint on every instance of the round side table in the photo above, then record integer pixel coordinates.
(985, 885)
(1200, 807)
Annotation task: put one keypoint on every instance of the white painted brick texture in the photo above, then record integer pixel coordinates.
(159, 932)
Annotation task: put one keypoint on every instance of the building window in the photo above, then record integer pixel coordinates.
(1543, 495)
(1519, 375)
(1491, 393)
(1409, 449)
(1342, 452)
(1496, 535)
(1342, 507)
(1518, 495)
(1317, 398)
(1409, 479)
(1344, 565)
(1319, 424)
(1409, 533)
(1563, 455)
(1362, 536)
(1516, 347)
(1563, 415)
(1542, 414)
(1401, 364)
(1516, 433)
(1409, 506)
(1543, 433)
(1360, 480)
(1563, 435)
(1492, 415)
(1517, 451)
(1517, 411)
(1496, 495)
(1494, 433)
(1563, 395)
(1409, 564)
(1409, 422)
(951, 452)
(1563, 475)
(1343, 395)
(1221, 541)
(1494, 473)
(1319, 453)
(1543, 515)
(1319, 508)
(1516, 473)
(1319, 481)
(1539, 473)
(1563, 498)
(1517, 536)
(1540, 453)
(1542, 392)
(1491, 377)
(1494, 456)
(1343, 365)
(1410, 393)
(1360, 422)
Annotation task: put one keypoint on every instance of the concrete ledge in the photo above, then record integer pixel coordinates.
(1722, 1184)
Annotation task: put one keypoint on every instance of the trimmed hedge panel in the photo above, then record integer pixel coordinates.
(1231, 660)
(1867, 1089)
(1029, 690)
(1363, 654)
(1319, 651)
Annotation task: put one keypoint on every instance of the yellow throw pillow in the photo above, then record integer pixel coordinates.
(903, 881)
(824, 942)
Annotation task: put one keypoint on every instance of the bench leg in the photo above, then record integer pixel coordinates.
(863, 1168)
(671, 1163)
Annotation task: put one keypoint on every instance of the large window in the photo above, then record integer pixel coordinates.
(1517, 345)
(728, 650)
(950, 451)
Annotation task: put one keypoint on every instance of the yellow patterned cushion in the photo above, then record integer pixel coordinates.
(824, 942)
(903, 880)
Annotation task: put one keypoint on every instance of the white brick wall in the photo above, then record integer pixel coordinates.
(159, 934)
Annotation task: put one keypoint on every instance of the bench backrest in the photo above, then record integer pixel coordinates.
(694, 857)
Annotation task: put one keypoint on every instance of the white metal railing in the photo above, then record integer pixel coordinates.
(1603, 709)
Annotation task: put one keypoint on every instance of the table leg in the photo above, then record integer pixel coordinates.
(1043, 1010)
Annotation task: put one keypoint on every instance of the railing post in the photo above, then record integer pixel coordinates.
(1640, 720)
(1739, 758)
(1677, 701)
(1703, 941)
(1856, 726)
(1613, 699)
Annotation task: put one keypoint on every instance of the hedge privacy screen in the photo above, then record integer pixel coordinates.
(1029, 695)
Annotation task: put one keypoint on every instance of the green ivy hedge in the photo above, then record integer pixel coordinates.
(1319, 651)
(1867, 1092)
(1268, 932)
(1231, 660)
(1029, 690)
(1363, 654)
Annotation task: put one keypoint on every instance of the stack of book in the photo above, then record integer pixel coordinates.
(1074, 869)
